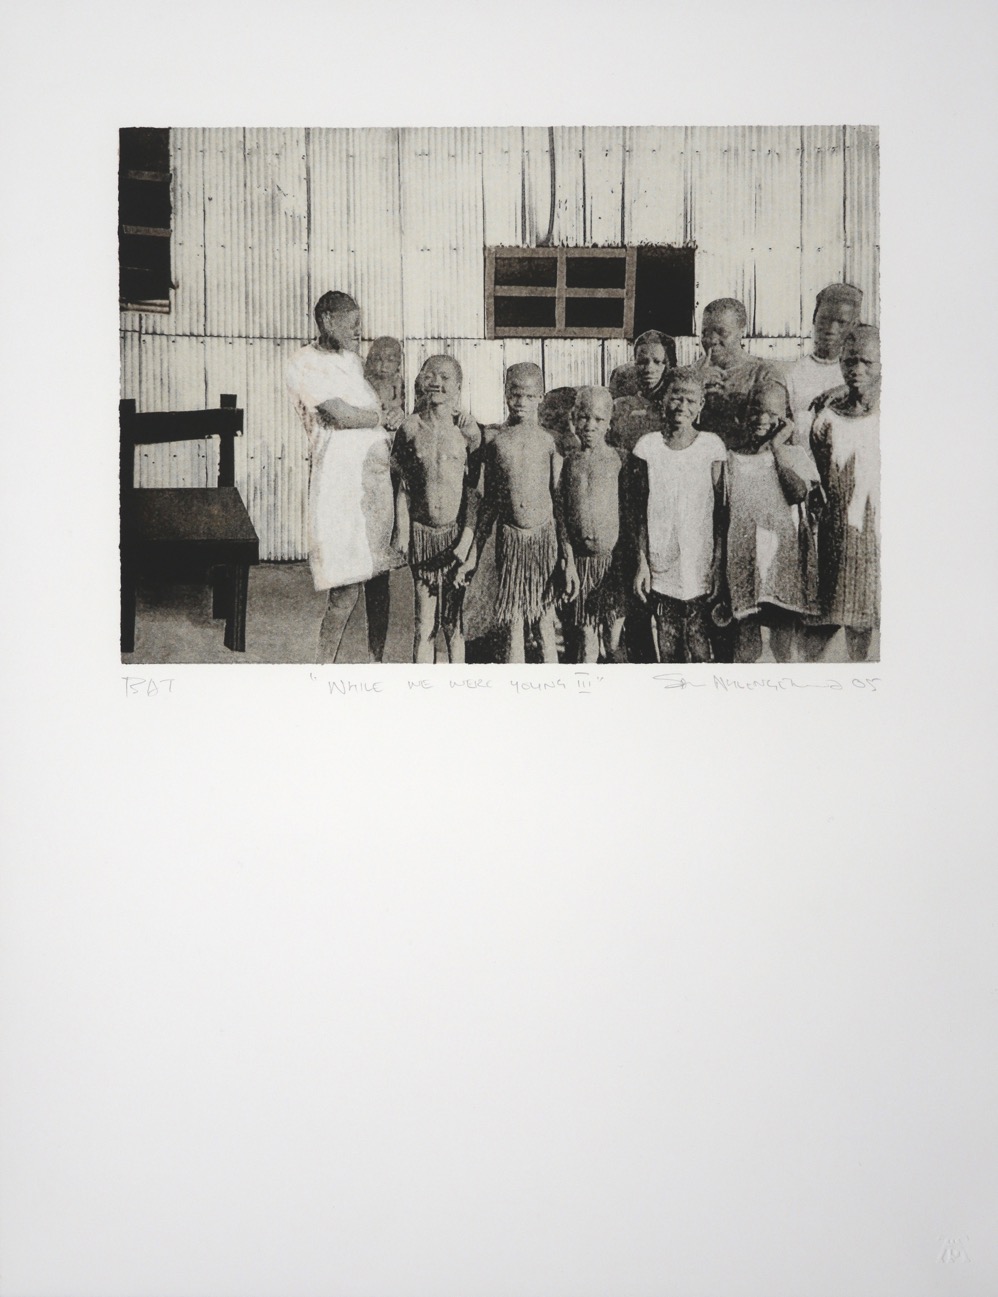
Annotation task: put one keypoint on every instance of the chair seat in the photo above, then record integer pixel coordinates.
(191, 517)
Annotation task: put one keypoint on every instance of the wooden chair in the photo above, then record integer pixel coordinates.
(169, 532)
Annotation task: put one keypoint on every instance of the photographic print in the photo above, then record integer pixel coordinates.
(517, 394)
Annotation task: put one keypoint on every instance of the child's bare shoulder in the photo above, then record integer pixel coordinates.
(470, 430)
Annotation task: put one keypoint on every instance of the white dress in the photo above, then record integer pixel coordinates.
(680, 512)
(847, 451)
(350, 503)
(764, 560)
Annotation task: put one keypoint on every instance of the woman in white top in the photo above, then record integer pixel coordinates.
(350, 499)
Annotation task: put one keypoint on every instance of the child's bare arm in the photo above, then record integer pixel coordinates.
(554, 480)
(472, 491)
(400, 530)
(719, 473)
(637, 509)
(337, 413)
(487, 513)
(566, 553)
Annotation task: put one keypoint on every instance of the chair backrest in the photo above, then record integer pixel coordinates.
(156, 427)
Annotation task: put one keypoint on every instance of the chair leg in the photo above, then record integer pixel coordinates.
(235, 625)
(127, 611)
(221, 592)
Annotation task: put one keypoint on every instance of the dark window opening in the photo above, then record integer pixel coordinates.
(664, 291)
(595, 272)
(527, 272)
(145, 214)
(594, 313)
(589, 292)
(525, 312)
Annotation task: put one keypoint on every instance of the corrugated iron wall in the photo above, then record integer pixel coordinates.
(265, 220)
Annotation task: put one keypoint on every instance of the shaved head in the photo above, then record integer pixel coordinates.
(525, 372)
(594, 398)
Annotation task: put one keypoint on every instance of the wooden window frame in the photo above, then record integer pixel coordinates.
(155, 305)
(560, 292)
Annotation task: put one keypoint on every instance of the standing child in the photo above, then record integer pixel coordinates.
(678, 487)
(641, 411)
(590, 509)
(763, 556)
(383, 370)
(437, 456)
(836, 310)
(521, 468)
(845, 440)
(554, 414)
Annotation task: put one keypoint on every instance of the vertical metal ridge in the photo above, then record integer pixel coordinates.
(861, 165)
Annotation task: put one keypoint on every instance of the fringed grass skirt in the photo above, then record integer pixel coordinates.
(599, 600)
(526, 558)
(431, 559)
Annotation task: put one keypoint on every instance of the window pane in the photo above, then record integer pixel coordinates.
(527, 272)
(136, 285)
(594, 313)
(144, 202)
(147, 251)
(525, 312)
(595, 272)
(144, 148)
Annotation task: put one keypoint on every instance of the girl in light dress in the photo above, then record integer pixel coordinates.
(845, 440)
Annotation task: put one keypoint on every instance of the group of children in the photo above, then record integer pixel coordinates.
(675, 516)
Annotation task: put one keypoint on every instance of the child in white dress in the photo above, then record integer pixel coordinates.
(763, 555)
(845, 440)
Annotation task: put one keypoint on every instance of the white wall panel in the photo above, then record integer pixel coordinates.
(656, 183)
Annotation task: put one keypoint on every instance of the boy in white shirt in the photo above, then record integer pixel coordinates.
(679, 485)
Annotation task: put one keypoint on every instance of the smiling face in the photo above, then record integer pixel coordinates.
(650, 361)
(340, 330)
(524, 390)
(860, 362)
(765, 416)
(832, 321)
(439, 381)
(721, 336)
(683, 402)
(591, 416)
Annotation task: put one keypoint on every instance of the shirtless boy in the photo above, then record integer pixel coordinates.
(436, 454)
(522, 467)
(590, 508)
